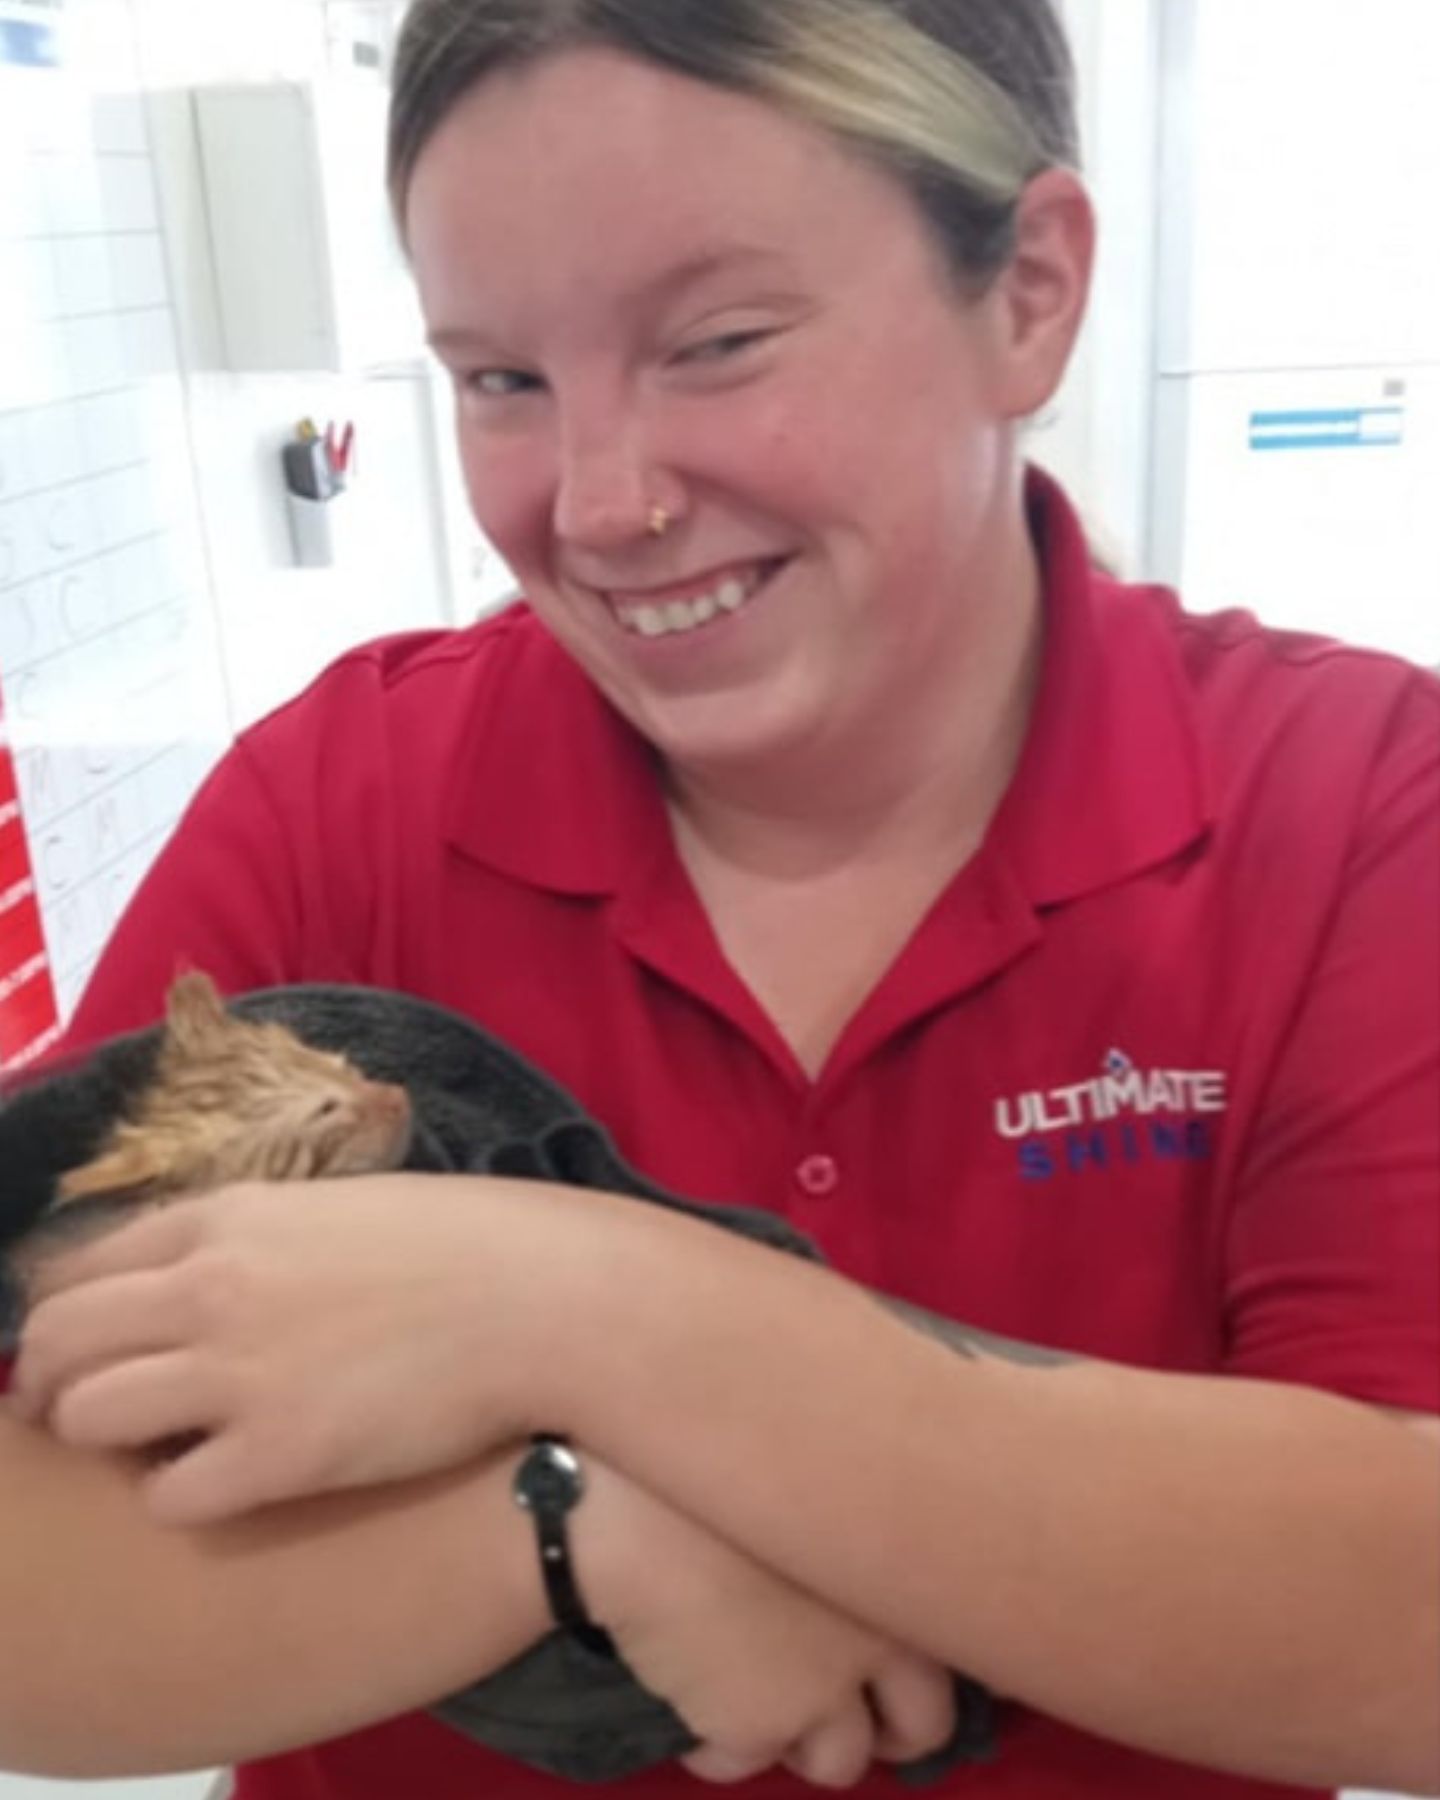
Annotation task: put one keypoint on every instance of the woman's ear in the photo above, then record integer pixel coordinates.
(1038, 300)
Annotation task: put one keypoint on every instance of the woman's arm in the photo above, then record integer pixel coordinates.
(1237, 1573)
(131, 1649)
(1222, 1570)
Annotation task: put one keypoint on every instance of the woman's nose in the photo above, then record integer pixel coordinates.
(606, 489)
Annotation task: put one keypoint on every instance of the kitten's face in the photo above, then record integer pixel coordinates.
(274, 1109)
(237, 1100)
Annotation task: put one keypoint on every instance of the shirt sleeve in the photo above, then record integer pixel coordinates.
(1333, 1267)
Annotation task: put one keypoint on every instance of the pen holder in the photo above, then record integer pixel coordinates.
(312, 529)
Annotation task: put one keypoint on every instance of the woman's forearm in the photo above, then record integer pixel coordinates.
(1230, 1572)
(130, 1649)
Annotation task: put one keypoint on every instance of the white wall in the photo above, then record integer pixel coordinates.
(149, 599)
(1096, 437)
(401, 540)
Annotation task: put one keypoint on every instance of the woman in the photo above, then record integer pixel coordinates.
(850, 846)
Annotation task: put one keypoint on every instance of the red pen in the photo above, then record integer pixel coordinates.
(338, 450)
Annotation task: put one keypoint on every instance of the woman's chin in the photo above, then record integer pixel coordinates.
(742, 729)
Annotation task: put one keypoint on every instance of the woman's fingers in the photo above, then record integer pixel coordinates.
(833, 1754)
(84, 1329)
(913, 1702)
(836, 1753)
(713, 1762)
(211, 1480)
(132, 1404)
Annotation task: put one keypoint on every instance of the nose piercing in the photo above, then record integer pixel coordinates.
(659, 521)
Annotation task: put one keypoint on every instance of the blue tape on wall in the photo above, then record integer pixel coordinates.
(28, 45)
(1329, 428)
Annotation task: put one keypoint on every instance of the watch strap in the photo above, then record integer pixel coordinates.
(549, 1484)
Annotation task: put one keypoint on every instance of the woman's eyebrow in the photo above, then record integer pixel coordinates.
(664, 285)
(707, 264)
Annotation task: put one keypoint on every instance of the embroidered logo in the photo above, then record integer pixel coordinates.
(1125, 1114)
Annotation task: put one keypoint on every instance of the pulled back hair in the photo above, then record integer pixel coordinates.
(963, 101)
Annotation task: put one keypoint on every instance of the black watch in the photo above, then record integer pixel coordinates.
(548, 1484)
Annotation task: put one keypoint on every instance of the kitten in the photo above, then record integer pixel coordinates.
(238, 1100)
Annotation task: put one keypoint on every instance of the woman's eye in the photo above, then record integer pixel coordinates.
(720, 349)
(499, 384)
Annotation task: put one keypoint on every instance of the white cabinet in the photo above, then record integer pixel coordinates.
(309, 274)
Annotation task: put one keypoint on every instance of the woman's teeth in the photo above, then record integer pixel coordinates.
(671, 616)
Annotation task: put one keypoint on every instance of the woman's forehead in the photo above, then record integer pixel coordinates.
(595, 170)
(619, 134)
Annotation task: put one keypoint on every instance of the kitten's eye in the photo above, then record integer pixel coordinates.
(327, 1109)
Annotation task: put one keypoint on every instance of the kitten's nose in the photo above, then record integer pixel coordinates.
(395, 1118)
(395, 1102)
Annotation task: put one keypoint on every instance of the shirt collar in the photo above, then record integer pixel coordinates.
(559, 791)
(1110, 780)
(556, 789)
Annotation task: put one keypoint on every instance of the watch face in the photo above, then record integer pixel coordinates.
(549, 1479)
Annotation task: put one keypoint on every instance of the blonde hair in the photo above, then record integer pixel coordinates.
(963, 101)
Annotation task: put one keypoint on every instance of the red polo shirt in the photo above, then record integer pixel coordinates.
(1157, 1079)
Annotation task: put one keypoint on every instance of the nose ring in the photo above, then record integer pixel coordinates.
(659, 521)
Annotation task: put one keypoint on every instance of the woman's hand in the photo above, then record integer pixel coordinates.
(762, 1672)
(280, 1340)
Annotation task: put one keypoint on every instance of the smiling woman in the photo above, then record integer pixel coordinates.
(850, 845)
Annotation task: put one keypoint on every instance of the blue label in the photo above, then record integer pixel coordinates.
(1329, 428)
(30, 46)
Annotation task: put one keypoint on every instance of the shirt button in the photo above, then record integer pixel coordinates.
(818, 1176)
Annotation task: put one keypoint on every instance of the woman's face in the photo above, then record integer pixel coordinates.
(654, 293)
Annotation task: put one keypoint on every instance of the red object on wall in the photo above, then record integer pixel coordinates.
(29, 1017)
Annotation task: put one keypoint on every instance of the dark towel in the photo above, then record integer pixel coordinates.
(479, 1108)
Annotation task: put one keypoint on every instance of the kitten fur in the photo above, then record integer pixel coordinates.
(238, 1100)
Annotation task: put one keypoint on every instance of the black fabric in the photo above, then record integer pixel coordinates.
(480, 1108)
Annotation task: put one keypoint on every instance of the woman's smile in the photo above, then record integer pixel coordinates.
(685, 607)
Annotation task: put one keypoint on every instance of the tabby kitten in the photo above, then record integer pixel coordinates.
(239, 1100)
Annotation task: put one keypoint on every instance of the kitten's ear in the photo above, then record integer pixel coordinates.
(194, 1009)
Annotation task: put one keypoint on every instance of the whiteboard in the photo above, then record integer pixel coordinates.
(110, 677)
